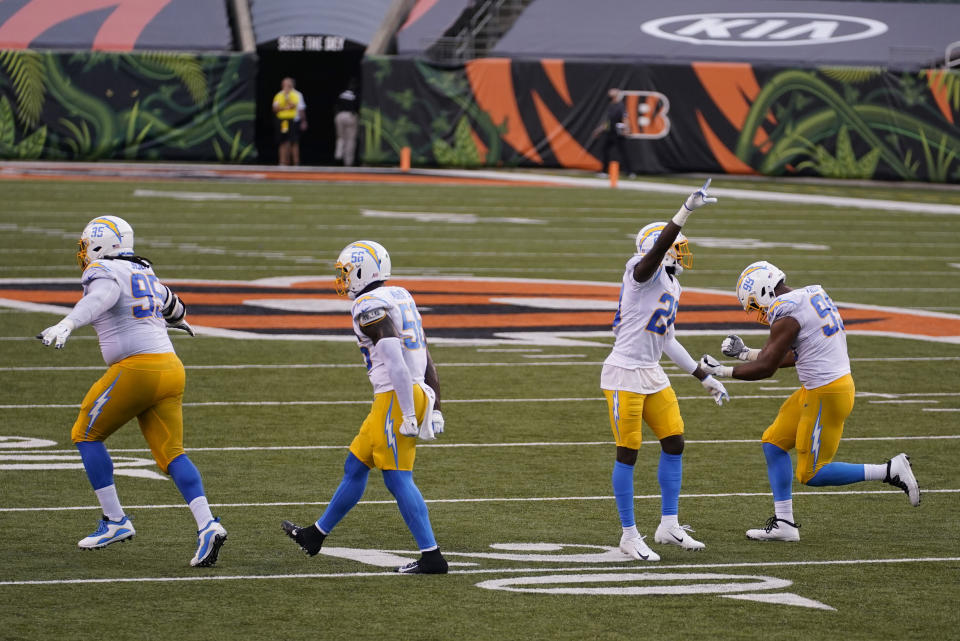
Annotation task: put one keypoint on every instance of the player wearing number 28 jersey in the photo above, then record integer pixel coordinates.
(406, 403)
(131, 310)
(636, 387)
(806, 331)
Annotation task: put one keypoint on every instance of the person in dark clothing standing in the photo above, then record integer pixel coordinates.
(345, 121)
(614, 128)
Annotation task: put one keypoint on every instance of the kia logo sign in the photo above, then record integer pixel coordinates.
(765, 29)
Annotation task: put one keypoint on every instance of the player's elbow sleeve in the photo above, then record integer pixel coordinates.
(174, 310)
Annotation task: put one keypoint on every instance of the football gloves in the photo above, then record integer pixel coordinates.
(716, 389)
(438, 422)
(410, 427)
(181, 324)
(696, 200)
(712, 366)
(57, 334)
(733, 346)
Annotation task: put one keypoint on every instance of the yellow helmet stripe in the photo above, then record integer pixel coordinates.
(109, 223)
(371, 249)
(655, 229)
(745, 274)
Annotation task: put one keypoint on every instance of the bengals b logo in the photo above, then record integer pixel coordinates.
(646, 114)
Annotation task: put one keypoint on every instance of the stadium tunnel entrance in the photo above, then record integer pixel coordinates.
(320, 76)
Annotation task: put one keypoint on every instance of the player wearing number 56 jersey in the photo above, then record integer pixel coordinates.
(130, 309)
(406, 403)
(806, 331)
(636, 387)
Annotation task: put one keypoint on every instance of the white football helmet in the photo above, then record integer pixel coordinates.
(361, 263)
(679, 256)
(756, 285)
(104, 236)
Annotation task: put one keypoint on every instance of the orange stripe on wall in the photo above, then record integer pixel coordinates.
(939, 92)
(727, 159)
(492, 87)
(565, 148)
(554, 70)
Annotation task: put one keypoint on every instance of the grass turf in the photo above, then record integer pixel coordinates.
(873, 257)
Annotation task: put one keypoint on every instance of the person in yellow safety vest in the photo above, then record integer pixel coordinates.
(291, 111)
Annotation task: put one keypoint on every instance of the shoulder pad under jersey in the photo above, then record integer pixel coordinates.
(96, 270)
(782, 306)
(369, 309)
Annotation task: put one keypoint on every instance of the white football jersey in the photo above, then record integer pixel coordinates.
(402, 310)
(821, 345)
(645, 313)
(134, 325)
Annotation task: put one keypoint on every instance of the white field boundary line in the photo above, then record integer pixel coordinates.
(518, 499)
(280, 448)
(241, 366)
(578, 399)
(581, 569)
(875, 204)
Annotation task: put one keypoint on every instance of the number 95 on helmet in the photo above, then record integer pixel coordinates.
(756, 285)
(361, 263)
(104, 236)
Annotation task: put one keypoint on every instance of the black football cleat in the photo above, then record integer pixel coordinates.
(310, 538)
(431, 562)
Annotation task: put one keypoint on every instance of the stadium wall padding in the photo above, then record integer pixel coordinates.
(95, 105)
(850, 122)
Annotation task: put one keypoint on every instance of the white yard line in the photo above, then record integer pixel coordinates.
(941, 409)
(274, 448)
(580, 569)
(873, 204)
(347, 575)
(519, 499)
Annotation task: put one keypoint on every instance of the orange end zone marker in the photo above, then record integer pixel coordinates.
(614, 173)
(405, 159)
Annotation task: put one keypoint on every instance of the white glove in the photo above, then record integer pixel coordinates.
(182, 324)
(409, 427)
(57, 334)
(716, 389)
(733, 346)
(438, 422)
(696, 200)
(712, 366)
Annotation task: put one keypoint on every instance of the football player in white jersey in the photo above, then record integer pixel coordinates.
(806, 331)
(130, 309)
(635, 385)
(406, 403)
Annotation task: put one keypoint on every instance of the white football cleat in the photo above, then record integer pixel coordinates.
(108, 532)
(635, 548)
(900, 474)
(776, 530)
(209, 541)
(677, 535)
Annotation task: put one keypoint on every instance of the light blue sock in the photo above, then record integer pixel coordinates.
(412, 507)
(779, 471)
(838, 474)
(349, 492)
(623, 492)
(187, 478)
(97, 463)
(670, 476)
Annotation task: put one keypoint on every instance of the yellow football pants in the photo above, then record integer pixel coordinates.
(812, 421)
(148, 387)
(628, 410)
(379, 443)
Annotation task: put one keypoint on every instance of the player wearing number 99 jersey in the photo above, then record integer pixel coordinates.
(406, 403)
(806, 331)
(636, 387)
(130, 309)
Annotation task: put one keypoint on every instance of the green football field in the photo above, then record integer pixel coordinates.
(519, 485)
